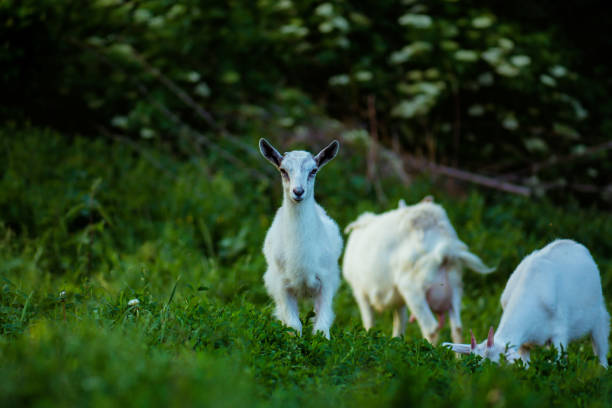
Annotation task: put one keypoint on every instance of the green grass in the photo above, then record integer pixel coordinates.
(106, 224)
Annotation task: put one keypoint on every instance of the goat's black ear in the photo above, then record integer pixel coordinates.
(327, 154)
(269, 152)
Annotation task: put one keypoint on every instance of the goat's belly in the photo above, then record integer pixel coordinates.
(386, 299)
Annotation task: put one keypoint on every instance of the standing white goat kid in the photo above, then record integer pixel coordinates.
(554, 296)
(408, 256)
(303, 243)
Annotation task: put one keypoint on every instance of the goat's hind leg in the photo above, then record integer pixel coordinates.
(599, 338)
(417, 302)
(399, 321)
(454, 315)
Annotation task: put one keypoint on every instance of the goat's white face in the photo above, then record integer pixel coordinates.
(487, 349)
(298, 168)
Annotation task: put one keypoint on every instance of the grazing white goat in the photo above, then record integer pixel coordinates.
(303, 243)
(554, 296)
(408, 256)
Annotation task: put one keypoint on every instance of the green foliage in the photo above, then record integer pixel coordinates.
(107, 225)
(454, 82)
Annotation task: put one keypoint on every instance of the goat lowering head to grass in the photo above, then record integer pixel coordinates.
(303, 243)
(553, 297)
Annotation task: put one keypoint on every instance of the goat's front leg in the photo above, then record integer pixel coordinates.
(367, 314)
(524, 354)
(287, 310)
(286, 304)
(399, 321)
(417, 302)
(324, 311)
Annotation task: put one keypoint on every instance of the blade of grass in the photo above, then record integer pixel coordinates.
(25, 308)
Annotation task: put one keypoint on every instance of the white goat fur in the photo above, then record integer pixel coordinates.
(553, 297)
(303, 243)
(408, 256)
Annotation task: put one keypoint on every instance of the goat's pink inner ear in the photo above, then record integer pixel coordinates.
(490, 337)
(473, 340)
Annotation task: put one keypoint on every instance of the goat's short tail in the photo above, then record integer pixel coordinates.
(473, 262)
(455, 252)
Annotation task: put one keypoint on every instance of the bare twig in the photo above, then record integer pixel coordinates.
(188, 100)
(553, 160)
(199, 137)
(418, 164)
(471, 177)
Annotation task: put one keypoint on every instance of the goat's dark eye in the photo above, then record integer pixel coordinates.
(284, 173)
(312, 173)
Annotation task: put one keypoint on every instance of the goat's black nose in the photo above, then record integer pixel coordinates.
(298, 191)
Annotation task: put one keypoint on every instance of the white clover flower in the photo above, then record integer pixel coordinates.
(416, 20)
(62, 294)
(294, 29)
(486, 79)
(326, 27)
(338, 80)
(493, 55)
(202, 89)
(142, 15)
(286, 122)
(157, 22)
(506, 69)
(147, 133)
(340, 23)
(476, 110)
(558, 71)
(449, 45)
(432, 73)
(466, 55)
(284, 5)
(193, 76)
(363, 76)
(520, 60)
(343, 42)
(134, 302)
(120, 122)
(408, 51)
(355, 135)
(325, 10)
(506, 44)
(536, 144)
(510, 122)
(482, 22)
(548, 80)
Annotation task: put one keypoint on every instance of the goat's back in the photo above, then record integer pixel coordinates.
(380, 245)
(559, 283)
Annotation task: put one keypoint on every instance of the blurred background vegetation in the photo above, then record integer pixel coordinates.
(129, 169)
(514, 91)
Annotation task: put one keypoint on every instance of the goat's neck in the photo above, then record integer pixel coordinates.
(511, 330)
(300, 218)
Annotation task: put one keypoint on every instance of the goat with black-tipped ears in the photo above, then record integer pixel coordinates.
(553, 297)
(303, 243)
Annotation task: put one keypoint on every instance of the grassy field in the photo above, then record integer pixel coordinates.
(107, 223)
